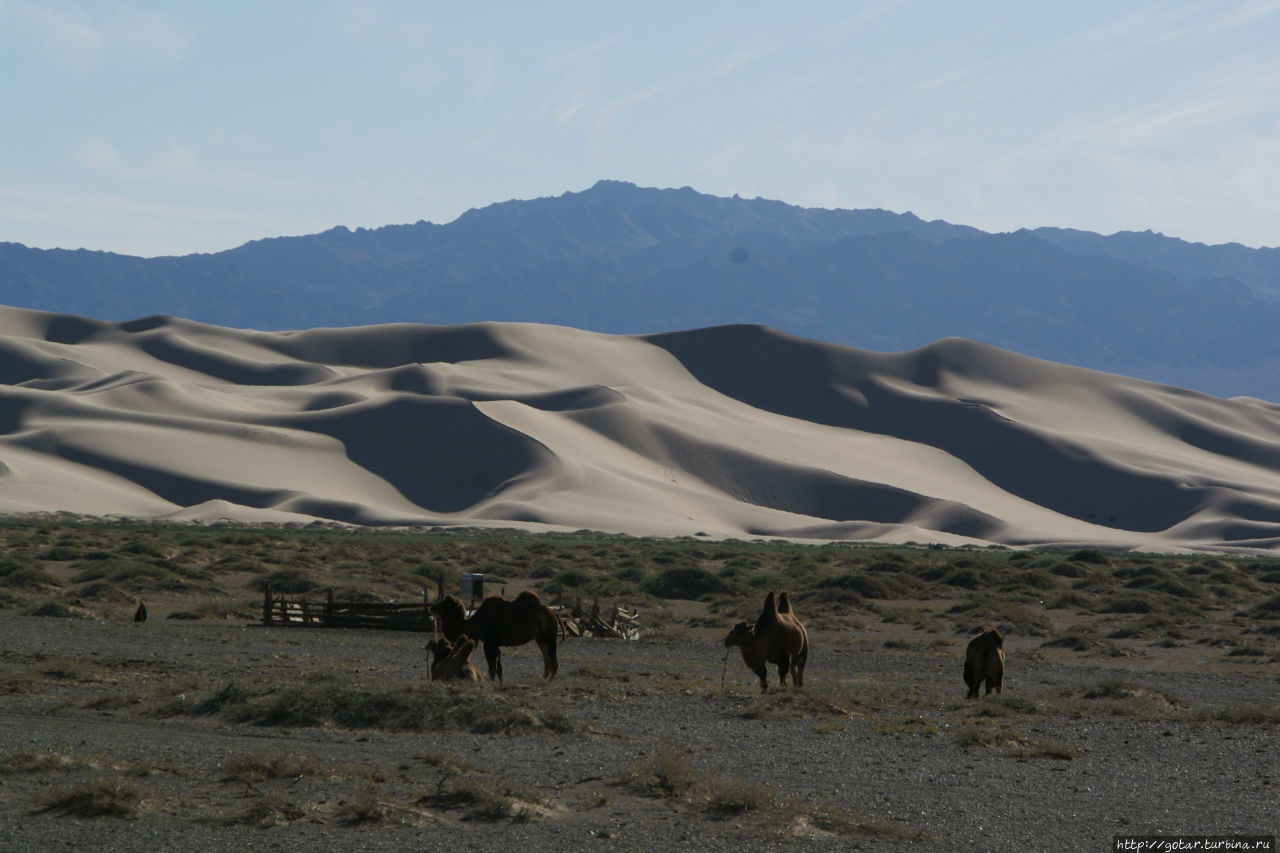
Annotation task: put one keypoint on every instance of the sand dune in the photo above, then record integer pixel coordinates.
(734, 431)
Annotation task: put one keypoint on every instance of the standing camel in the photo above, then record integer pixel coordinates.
(498, 622)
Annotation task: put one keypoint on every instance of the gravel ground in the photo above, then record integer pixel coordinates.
(882, 737)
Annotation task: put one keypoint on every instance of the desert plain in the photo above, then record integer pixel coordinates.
(1140, 697)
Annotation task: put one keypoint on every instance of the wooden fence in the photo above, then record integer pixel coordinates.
(279, 609)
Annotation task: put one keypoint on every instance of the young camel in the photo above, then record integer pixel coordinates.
(453, 660)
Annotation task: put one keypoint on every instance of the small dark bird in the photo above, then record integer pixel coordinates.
(140, 615)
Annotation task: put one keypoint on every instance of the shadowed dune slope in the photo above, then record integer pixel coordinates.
(727, 431)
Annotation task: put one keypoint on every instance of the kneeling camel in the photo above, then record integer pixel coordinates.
(453, 660)
(778, 637)
(498, 622)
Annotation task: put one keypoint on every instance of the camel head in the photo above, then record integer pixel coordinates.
(439, 649)
(742, 634)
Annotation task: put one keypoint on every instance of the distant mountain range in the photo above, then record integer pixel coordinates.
(625, 259)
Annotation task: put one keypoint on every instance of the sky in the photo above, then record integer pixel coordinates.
(162, 128)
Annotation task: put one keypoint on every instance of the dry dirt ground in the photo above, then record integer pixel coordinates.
(213, 734)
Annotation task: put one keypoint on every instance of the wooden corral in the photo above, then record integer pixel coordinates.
(283, 610)
(279, 609)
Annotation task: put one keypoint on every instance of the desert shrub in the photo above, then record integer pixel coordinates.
(482, 799)
(686, 583)
(260, 766)
(1090, 555)
(1129, 700)
(272, 808)
(143, 548)
(58, 610)
(28, 578)
(284, 580)
(324, 701)
(112, 797)
(62, 554)
(631, 572)
(866, 586)
(840, 596)
(1247, 651)
(987, 610)
(572, 579)
(1069, 599)
(1269, 609)
(145, 576)
(238, 563)
(1070, 570)
(1171, 586)
(1076, 642)
(104, 592)
(1129, 604)
(11, 564)
(965, 578)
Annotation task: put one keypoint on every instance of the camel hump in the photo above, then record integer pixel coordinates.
(528, 598)
(784, 603)
(769, 613)
(492, 604)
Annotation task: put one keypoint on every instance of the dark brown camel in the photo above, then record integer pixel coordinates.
(453, 660)
(984, 661)
(778, 637)
(498, 622)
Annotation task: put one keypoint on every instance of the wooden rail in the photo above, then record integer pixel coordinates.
(278, 609)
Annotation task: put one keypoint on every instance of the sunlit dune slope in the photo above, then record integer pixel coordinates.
(731, 431)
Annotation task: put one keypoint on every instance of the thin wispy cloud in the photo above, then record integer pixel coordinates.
(384, 111)
(80, 40)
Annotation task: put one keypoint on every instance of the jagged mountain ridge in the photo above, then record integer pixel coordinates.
(623, 259)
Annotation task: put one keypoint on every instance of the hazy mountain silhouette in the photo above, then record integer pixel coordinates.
(620, 258)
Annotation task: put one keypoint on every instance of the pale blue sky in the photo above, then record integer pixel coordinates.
(174, 127)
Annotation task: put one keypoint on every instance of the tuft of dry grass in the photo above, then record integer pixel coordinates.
(34, 761)
(485, 799)
(107, 797)
(898, 726)
(672, 775)
(257, 767)
(328, 700)
(271, 808)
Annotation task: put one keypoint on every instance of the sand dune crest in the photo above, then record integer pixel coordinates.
(727, 431)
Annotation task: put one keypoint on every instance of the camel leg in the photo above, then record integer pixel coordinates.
(784, 666)
(763, 672)
(550, 666)
(493, 655)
